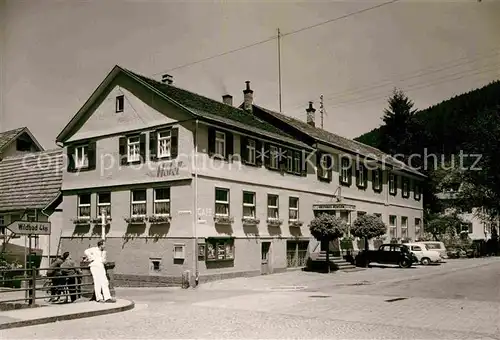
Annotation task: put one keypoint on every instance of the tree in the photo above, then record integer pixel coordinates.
(326, 228)
(443, 226)
(368, 227)
(481, 180)
(397, 132)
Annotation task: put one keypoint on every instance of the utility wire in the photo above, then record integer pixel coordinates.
(422, 86)
(390, 82)
(275, 37)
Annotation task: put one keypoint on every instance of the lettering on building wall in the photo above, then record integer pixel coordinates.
(334, 206)
(169, 169)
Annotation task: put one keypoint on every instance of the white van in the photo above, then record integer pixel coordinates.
(423, 255)
(437, 246)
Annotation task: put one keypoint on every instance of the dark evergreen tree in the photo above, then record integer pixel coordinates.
(398, 129)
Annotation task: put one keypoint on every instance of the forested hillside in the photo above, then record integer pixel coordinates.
(465, 124)
(443, 128)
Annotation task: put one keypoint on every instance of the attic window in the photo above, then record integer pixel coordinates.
(23, 145)
(119, 103)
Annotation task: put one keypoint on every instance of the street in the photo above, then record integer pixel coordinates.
(456, 300)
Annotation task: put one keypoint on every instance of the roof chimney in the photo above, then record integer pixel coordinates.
(310, 114)
(227, 99)
(247, 97)
(167, 79)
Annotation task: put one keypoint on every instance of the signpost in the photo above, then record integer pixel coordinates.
(29, 228)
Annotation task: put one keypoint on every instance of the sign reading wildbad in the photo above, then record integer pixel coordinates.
(29, 228)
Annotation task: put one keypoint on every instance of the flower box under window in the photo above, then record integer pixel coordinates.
(295, 223)
(274, 222)
(250, 221)
(135, 219)
(158, 219)
(225, 220)
(98, 220)
(81, 220)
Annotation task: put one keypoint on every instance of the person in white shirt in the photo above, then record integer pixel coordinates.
(97, 257)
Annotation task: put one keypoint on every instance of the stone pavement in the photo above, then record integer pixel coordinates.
(378, 303)
(57, 312)
(377, 275)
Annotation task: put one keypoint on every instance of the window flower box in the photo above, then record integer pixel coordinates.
(250, 220)
(295, 223)
(81, 220)
(98, 220)
(274, 222)
(135, 219)
(225, 220)
(159, 219)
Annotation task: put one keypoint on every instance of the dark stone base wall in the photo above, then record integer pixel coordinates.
(123, 280)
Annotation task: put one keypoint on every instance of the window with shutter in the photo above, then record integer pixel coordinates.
(153, 145)
(258, 153)
(229, 145)
(377, 180)
(211, 141)
(174, 143)
(71, 158)
(122, 149)
(91, 156)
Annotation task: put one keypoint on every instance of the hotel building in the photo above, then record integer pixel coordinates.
(191, 183)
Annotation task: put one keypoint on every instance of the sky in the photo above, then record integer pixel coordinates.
(53, 54)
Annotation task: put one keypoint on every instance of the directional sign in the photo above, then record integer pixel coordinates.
(29, 228)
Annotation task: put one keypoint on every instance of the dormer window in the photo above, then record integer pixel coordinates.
(251, 151)
(406, 187)
(273, 157)
(133, 149)
(120, 101)
(377, 180)
(81, 157)
(361, 177)
(416, 193)
(392, 184)
(164, 146)
(220, 144)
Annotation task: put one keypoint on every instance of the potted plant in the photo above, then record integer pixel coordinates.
(81, 220)
(295, 223)
(223, 219)
(274, 222)
(250, 220)
(158, 219)
(98, 220)
(136, 219)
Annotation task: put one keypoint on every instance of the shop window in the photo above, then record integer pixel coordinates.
(220, 249)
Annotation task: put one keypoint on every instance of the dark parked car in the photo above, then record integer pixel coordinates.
(387, 254)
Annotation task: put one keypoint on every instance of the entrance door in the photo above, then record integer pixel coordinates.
(265, 251)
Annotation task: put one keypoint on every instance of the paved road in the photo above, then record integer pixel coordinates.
(457, 300)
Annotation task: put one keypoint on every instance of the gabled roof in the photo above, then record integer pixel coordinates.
(198, 106)
(10, 136)
(32, 181)
(336, 141)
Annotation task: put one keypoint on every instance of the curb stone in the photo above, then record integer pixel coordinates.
(72, 316)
